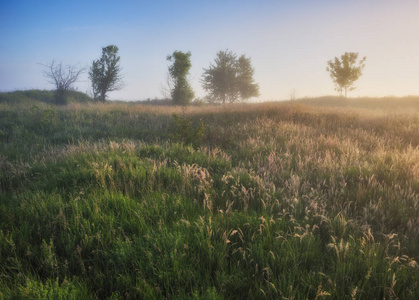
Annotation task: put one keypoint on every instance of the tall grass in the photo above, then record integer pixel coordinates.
(278, 200)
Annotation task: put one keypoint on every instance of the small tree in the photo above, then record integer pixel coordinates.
(181, 93)
(62, 77)
(105, 73)
(346, 71)
(230, 79)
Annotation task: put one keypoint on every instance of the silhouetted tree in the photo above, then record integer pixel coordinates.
(346, 71)
(181, 93)
(62, 77)
(105, 73)
(230, 79)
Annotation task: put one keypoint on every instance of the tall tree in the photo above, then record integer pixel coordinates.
(105, 73)
(230, 79)
(62, 77)
(181, 93)
(346, 71)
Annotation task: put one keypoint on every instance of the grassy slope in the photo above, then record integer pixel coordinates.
(31, 97)
(293, 200)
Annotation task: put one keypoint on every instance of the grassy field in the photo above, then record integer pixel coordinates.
(310, 199)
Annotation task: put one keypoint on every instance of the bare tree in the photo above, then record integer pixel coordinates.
(62, 77)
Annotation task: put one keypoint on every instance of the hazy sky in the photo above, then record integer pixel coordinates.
(289, 41)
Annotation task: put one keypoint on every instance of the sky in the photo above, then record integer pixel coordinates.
(289, 42)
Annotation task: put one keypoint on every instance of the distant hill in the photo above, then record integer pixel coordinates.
(394, 104)
(43, 96)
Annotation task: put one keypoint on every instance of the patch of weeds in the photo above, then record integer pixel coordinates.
(46, 119)
(186, 132)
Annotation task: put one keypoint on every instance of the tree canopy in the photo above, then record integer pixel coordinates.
(230, 79)
(181, 93)
(105, 73)
(346, 71)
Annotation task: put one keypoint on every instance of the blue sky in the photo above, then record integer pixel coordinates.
(289, 42)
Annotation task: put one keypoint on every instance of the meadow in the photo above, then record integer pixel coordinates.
(308, 199)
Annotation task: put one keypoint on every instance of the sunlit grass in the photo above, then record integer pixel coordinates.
(280, 200)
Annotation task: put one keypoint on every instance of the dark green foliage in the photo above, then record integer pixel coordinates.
(187, 133)
(105, 73)
(182, 93)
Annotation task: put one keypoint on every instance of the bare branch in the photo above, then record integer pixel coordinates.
(62, 77)
(167, 88)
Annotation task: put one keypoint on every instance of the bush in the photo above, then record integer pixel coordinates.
(186, 132)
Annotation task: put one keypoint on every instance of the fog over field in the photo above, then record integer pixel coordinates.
(209, 149)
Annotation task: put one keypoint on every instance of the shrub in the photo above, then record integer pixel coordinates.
(186, 132)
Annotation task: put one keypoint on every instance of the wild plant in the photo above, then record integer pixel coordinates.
(287, 200)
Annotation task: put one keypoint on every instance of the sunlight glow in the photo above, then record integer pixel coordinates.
(289, 42)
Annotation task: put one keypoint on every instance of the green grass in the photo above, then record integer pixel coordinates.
(38, 96)
(308, 199)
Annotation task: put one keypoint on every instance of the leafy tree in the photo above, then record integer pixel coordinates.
(230, 79)
(63, 77)
(246, 87)
(181, 93)
(220, 78)
(105, 73)
(346, 71)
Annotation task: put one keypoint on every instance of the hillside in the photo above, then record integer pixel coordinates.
(303, 199)
(44, 96)
(408, 104)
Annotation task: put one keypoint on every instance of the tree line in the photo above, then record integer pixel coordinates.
(228, 79)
